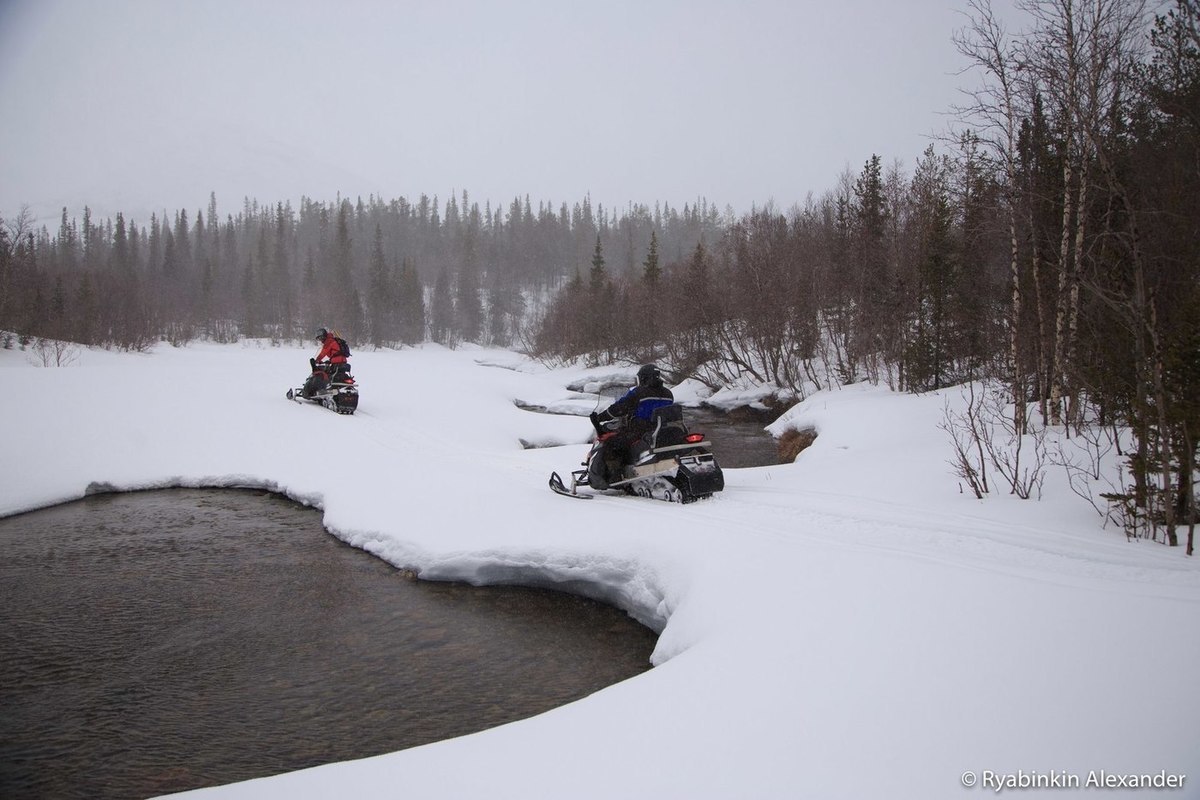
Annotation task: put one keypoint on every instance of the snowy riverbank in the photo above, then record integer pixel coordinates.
(851, 625)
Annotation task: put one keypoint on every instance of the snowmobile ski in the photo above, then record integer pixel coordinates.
(556, 485)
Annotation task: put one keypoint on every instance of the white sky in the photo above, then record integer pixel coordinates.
(141, 105)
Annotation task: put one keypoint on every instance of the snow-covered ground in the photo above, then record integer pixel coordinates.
(851, 625)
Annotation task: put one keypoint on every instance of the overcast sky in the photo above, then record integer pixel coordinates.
(146, 105)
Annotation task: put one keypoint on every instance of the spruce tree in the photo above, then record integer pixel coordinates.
(380, 302)
(84, 316)
(441, 315)
(468, 306)
(651, 271)
(348, 307)
(251, 301)
(281, 275)
(411, 304)
(598, 275)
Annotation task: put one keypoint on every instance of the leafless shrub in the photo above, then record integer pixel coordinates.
(1024, 470)
(966, 434)
(54, 353)
(179, 334)
(223, 331)
(1082, 457)
(984, 434)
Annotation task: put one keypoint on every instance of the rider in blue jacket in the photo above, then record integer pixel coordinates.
(635, 408)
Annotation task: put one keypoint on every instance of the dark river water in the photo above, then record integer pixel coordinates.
(736, 442)
(161, 641)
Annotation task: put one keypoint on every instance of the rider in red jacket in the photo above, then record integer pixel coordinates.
(329, 365)
(330, 349)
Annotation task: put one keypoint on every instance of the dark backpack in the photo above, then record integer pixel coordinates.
(345, 348)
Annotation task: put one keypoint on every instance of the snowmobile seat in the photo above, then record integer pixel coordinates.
(668, 427)
(316, 382)
(340, 373)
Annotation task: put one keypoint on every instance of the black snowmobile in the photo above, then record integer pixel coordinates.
(329, 385)
(668, 463)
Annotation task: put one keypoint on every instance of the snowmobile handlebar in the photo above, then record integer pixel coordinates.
(603, 426)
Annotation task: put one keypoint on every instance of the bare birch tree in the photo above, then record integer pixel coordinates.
(996, 109)
(1079, 51)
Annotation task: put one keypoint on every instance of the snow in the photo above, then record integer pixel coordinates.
(851, 625)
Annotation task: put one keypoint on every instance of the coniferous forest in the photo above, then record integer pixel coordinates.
(1050, 246)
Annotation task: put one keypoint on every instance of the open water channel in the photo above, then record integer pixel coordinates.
(160, 641)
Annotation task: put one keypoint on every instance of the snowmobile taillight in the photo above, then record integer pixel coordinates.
(692, 438)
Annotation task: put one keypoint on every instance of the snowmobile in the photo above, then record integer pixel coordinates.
(329, 385)
(669, 463)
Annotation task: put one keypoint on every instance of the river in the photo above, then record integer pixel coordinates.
(159, 641)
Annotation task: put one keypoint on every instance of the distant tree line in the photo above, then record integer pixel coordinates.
(381, 272)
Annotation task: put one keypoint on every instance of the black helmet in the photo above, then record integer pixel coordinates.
(321, 334)
(648, 374)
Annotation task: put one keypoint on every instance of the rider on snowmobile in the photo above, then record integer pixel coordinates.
(331, 359)
(635, 409)
(330, 349)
